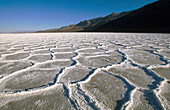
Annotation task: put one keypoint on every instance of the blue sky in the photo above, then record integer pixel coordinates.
(33, 15)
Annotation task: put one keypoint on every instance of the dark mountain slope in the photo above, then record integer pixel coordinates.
(87, 25)
(153, 17)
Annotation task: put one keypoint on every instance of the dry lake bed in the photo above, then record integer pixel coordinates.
(85, 71)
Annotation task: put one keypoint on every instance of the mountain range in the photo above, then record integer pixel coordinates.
(153, 17)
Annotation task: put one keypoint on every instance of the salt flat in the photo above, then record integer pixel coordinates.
(85, 71)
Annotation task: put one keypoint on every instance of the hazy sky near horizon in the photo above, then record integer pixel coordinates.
(33, 15)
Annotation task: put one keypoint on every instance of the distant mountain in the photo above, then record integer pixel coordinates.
(88, 25)
(153, 17)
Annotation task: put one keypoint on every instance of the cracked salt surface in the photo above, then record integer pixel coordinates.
(87, 71)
